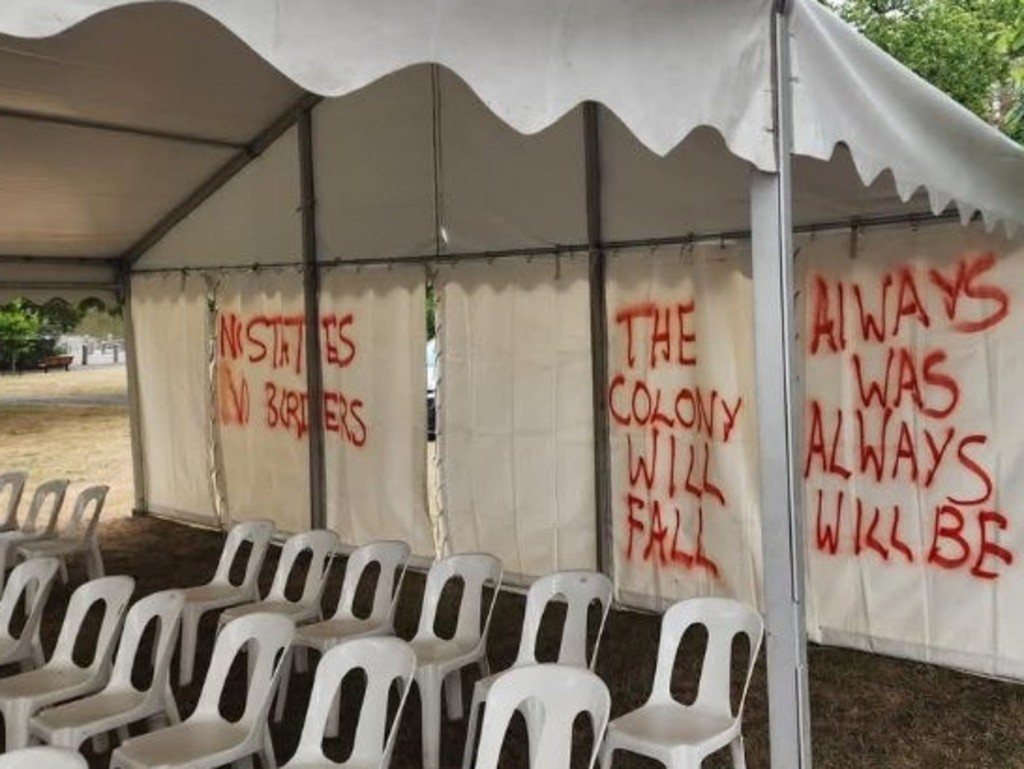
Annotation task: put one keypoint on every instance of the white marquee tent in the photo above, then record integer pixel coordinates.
(605, 197)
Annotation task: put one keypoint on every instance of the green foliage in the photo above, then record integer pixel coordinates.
(971, 49)
(19, 330)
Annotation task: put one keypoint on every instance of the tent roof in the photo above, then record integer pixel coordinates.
(109, 122)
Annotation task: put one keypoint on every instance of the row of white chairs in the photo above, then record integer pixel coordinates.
(39, 535)
(437, 661)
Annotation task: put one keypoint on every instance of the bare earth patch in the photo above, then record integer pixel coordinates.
(50, 428)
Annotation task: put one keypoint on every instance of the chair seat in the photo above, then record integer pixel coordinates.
(297, 611)
(43, 681)
(99, 707)
(213, 595)
(670, 725)
(58, 546)
(436, 651)
(182, 744)
(324, 635)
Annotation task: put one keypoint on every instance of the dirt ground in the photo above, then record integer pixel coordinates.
(69, 424)
(868, 711)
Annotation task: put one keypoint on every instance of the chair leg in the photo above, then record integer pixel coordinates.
(453, 694)
(171, 705)
(122, 735)
(189, 632)
(267, 756)
(333, 727)
(100, 743)
(302, 659)
(94, 562)
(606, 755)
(484, 666)
(474, 711)
(739, 756)
(282, 691)
(15, 727)
(430, 705)
(64, 570)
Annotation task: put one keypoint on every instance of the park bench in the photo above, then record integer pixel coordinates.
(56, 361)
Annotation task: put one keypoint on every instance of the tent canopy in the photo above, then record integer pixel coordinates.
(114, 112)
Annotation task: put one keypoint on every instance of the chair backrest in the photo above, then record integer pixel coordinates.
(77, 525)
(562, 693)
(724, 619)
(258, 534)
(321, 544)
(43, 757)
(114, 592)
(267, 637)
(14, 483)
(33, 579)
(385, 660)
(52, 491)
(392, 556)
(475, 570)
(165, 607)
(577, 589)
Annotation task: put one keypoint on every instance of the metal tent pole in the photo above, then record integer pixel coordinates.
(779, 432)
(598, 340)
(311, 290)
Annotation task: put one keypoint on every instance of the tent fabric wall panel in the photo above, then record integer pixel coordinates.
(262, 430)
(169, 313)
(374, 337)
(374, 166)
(129, 69)
(685, 512)
(638, 60)
(501, 189)
(912, 461)
(516, 441)
(69, 191)
(253, 218)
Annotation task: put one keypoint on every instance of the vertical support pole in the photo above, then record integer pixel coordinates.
(598, 339)
(134, 409)
(311, 291)
(780, 407)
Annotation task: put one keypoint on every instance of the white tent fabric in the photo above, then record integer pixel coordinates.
(515, 414)
(846, 90)
(375, 422)
(912, 463)
(262, 425)
(169, 313)
(685, 510)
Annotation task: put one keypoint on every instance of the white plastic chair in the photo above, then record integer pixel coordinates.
(22, 694)
(43, 757)
(560, 693)
(391, 557)
(50, 493)
(77, 536)
(33, 581)
(681, 736)
(219, 592)
(121, 703)
(206, 738)
(439, 660)
(14, 483)
(384, 660)
(577, 589)
(321, 545)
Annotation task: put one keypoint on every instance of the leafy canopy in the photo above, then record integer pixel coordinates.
(971, 49)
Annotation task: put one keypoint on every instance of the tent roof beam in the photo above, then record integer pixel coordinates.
(220, 177)
(101, 125)
(60, 261)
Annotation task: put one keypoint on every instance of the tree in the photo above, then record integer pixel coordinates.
(19, 329)
(971, 49)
